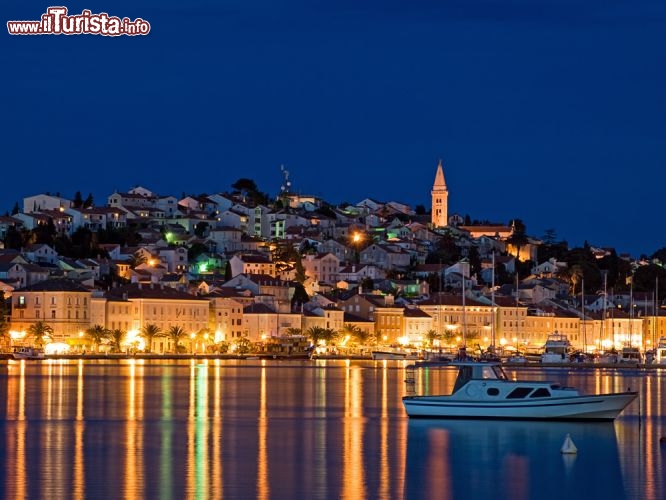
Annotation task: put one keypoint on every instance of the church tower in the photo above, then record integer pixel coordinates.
(440, 199)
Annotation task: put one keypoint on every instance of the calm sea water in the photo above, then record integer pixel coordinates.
(311, 429)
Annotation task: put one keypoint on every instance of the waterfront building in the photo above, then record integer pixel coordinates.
(389, 322)
(61, 303)
(416, 325)
(130, 308)
(225, 317)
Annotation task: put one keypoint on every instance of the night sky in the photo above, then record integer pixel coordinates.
(553, 111)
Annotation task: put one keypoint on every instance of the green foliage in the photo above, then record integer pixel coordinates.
(175, 333)
(357, 335)
(39, 330)
(149, 332)
(243, 345)
(97, 333)
(116, 337)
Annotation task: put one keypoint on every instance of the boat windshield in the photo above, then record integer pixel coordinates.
(478, 371)
(499, 373)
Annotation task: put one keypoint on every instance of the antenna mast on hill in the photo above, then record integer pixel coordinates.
(285, 188)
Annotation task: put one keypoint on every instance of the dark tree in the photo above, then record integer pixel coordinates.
(446, 251)
(420, 210)
(244, 186)
(227, 272)
(45, 233)
(77, 202)
(549, 236)
(14, 238)
(201, 229)
(195, 250)
(660, 254)
(89, 201)
(300, 297)
(16, 208)
(300, 275)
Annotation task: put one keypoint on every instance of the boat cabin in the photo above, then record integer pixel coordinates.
(478, 371)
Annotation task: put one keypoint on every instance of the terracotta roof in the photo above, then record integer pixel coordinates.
(56, 285)
(138, 291)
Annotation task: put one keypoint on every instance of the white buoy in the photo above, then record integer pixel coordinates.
(569, 447)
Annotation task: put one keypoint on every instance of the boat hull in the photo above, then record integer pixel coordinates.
(377, 355)
(602, 407)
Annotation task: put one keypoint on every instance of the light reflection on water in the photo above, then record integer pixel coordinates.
(326, 429)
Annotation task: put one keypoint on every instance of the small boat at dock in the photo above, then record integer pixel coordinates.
(28, 353)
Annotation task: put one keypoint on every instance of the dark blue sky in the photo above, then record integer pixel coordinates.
(552, 111)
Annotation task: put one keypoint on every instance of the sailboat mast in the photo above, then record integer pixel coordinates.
(492, 299)
(603, 317)
(631, 309)
(464, 318)
(582, 311)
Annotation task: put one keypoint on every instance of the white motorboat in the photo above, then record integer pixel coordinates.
(557, 349)
(630, 354)
(395, 354)
(660, 353)
(28, 353)
(482, 390)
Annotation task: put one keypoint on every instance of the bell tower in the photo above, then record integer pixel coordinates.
(440, 199)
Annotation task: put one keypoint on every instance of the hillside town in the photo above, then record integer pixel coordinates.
(238, 271)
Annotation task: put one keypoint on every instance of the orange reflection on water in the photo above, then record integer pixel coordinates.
(353, 486)
(440, 473)
(517, 477)
(15, 483)
(79, 486)
(197, 431)
(263, 485)
(217, 490)
(134, 473)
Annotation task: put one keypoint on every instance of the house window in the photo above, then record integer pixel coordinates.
(53, 301)
(36, 300)
(53, 314)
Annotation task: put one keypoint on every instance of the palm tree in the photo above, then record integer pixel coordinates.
(356, 334)
(243, 345)
(150, 331)
(40, 330)
(431, 336)
(116, 336)
(97, 334)
(316, 333)
(175, 333)
(294, 332)
(4, 325)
